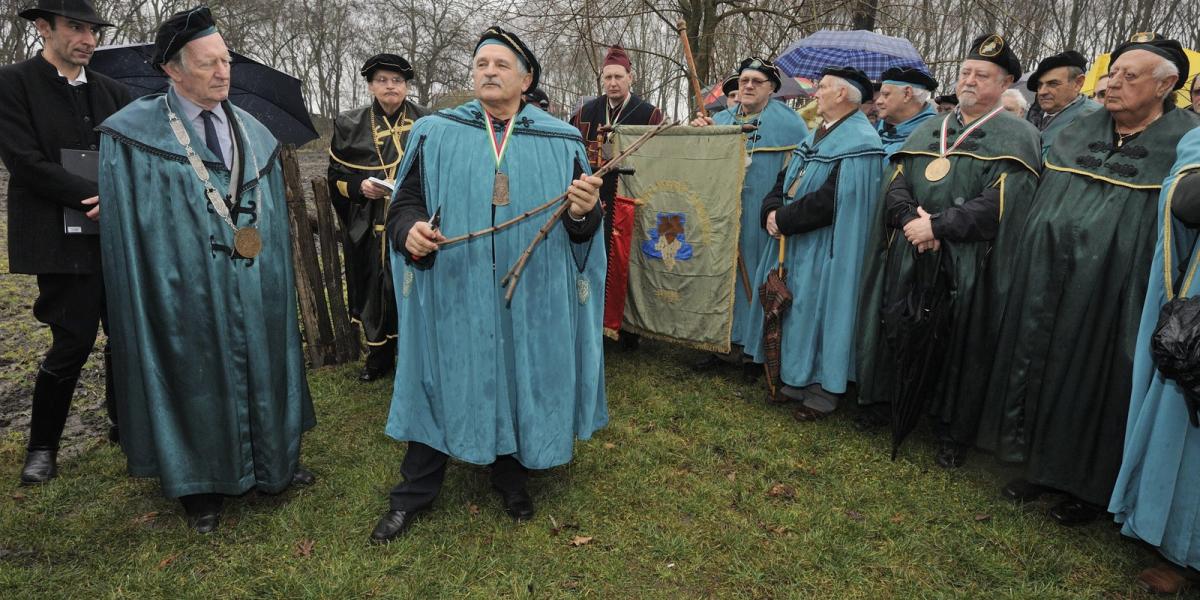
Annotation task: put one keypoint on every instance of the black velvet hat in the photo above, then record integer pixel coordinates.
(179, 29)
(856, 78)
(730, 85)
(538, 97)
(387, 62)
(1171, 50)
(992, 48)
(765, 67)
(79, 10)
(1070, 58)
(515, 44)
(948, 98)
(911, 77)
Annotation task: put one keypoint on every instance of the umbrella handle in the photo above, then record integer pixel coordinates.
(782, 245)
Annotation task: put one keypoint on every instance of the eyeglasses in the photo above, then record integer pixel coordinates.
(747, 81)
(385, 80)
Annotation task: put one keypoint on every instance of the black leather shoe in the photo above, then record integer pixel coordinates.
(1073, 511)
(203, 511)
(368, 375)
(517, 503)
(40, 466)
(710, 362)
(751, 371)
(950, 455)
(303, 477)
(1022, 490)
(629, 342)
(114, 434)
(391, 525)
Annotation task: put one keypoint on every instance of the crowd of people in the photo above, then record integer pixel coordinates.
(1006, 264)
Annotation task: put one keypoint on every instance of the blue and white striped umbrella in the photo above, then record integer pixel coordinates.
(870, 52)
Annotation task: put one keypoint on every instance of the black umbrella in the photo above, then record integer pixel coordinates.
(273, 97)
(916, 328)
(1175, 347)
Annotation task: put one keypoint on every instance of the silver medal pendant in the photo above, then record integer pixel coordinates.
(583, 289)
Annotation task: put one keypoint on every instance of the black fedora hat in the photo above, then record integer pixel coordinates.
(79, 10)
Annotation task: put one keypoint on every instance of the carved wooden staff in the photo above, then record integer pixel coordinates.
(514, 273)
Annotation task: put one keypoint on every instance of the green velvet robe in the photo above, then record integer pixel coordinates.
(210, 381)
(1058, 394)
(1002, 154)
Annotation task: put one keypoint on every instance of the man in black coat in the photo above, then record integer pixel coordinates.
(49, 103)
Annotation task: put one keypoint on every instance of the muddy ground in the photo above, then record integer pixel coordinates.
(23, 342)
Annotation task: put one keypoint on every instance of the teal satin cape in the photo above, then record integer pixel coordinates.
(1157, 495)
(895, 139)
(477, 379)
(207, 364)
(780, 131)
(1084, 107)
(824, 266)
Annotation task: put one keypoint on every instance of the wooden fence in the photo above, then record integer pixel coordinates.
(329, 335)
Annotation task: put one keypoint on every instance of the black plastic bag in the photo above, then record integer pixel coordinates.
(1175, 347)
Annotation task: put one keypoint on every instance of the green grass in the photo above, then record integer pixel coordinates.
(676, 495)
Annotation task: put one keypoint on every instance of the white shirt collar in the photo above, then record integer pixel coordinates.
(79, 79)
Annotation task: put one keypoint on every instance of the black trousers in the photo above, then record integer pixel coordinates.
(73, 307)
(382, 357)
(424, 470)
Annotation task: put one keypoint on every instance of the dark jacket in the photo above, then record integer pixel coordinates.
(40, 114)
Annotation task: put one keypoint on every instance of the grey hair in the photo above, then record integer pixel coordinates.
(1073, 72)
(1021, 101)
(1165, 69)
(920, 95)
(853, 94)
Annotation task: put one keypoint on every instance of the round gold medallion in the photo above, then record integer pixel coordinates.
(938, 169)
(247, 242)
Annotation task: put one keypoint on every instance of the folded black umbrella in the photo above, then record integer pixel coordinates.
(1175, 347)
(916, 328)
(272, 97)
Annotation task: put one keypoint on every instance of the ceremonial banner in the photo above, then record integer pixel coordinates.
(683, 252)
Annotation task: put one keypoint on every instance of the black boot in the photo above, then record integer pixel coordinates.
(51, 403)
(203, 511)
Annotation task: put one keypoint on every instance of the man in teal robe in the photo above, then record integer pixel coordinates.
(774, 132)
(482, 380)
(1057, 83)
(206, 349)
(903, 103)
(956, 187)
(823, 204)
(1059, 388)
(1157, 494)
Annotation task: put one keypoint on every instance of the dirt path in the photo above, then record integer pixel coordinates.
(23, 342)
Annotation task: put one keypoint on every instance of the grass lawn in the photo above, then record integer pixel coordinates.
(695, 489)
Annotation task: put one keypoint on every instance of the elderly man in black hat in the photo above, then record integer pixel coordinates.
(1061, 378)
(903, 102)
(368, 144)
(955, 185)
(50, 104)
(506, 383)
(1057, 83)
(197, 256)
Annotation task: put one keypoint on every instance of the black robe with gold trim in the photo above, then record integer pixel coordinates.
(368, 143)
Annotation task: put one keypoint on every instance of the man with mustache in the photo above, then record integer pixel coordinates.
(1060, 383)
(48, 104)
(197, 257)
(1057, 83)
(368, 143)
(955, 184)
(509, 383)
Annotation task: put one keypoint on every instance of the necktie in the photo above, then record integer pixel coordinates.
(210, 135)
